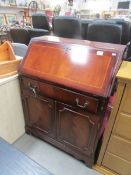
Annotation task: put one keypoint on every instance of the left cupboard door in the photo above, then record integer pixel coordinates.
(40, 114)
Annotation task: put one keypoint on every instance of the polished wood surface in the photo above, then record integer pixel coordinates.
(74, 65)
(6, 52)
(63, 95)
(14, 162)
(40, 114)
(64, 86)
(9, 67)
(53, 114)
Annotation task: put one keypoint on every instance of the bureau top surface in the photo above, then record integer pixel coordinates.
(78, 64)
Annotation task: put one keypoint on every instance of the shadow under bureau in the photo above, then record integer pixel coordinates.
(65, 87)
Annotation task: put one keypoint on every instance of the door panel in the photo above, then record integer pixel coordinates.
(76, 129)
(40, 114)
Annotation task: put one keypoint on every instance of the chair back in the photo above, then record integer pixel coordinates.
(125, 29)
(19, 35)
(37, 32)
(20, 49)
(40, 21)
(104, 32)
(67, 27)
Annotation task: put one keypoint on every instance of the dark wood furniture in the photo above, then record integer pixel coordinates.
(14, 162)
(65, 86)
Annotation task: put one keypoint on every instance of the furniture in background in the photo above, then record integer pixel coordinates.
(33, 32)
(67, 27)
(84, 27)
(104, 32)
(3, 37)
(40, 21)
(115, 154)
(125, 26)
(63, 103)
(14, 162)
(24, 35)
(20, 35)
(19, 49)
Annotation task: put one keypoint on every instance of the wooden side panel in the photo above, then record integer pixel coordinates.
(111, 122)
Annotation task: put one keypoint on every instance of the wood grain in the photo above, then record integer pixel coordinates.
(117, 164)
(74, 65)
(111, 122)
(8, 67)
(6, 52)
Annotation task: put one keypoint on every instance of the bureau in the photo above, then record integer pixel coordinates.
(65, 87)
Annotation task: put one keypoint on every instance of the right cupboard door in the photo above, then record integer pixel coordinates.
(77, 129)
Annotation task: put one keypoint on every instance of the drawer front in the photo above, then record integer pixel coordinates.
(126, 102)
(122, 126)
(117, 164)
(62, 95)
(120, 147)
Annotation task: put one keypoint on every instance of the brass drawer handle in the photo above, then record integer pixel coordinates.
(33, 89)
(82, 106)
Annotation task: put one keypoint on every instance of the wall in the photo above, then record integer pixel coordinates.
(11, 112)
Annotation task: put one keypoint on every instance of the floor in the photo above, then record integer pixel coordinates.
(52, 158)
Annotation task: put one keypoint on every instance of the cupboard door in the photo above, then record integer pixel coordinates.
(40, 114)
(76, 128)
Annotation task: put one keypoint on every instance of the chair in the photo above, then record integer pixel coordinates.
(37, 32)
(20, 49)
(84, 27)
(104, 32)
(68, 27)
(125, 29)
(40, 21)
(20, 35)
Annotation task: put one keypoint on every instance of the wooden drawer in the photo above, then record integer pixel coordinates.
(126, 102)
(122, 126)
(120, 147)
(117, 164)
(62, 95)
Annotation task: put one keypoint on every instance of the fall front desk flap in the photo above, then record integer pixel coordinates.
(82, 65)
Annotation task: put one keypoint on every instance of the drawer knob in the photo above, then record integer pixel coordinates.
(32, 88)
(82, 106)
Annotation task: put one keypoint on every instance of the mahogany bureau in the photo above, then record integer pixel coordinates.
(65, 87)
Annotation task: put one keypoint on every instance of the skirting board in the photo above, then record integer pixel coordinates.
(103, 170)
